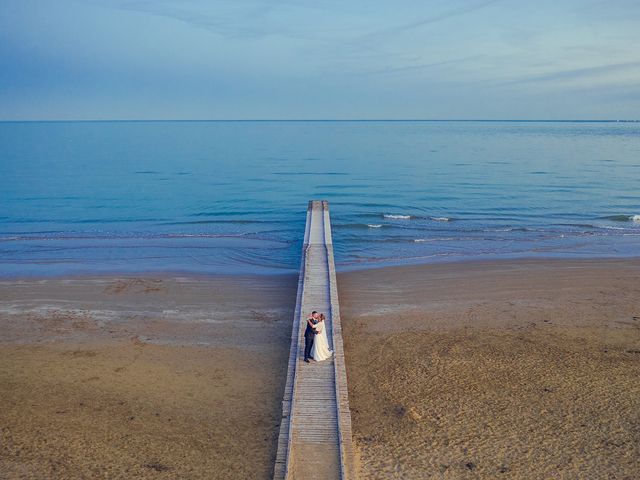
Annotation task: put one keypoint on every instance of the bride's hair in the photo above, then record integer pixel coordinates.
(322, 316)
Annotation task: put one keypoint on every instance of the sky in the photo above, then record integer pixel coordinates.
(320, 59)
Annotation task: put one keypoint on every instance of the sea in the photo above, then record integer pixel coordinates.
(230, 197)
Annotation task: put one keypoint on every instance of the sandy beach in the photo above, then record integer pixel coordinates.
(519, 369)
(142, 377)
(513, 369)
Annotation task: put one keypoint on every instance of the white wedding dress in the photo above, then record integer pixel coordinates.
(320, 350)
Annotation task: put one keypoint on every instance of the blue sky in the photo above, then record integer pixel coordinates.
(197, 59)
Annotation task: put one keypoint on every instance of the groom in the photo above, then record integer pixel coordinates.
(309, 334)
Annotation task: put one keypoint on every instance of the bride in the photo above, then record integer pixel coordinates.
(320, 350)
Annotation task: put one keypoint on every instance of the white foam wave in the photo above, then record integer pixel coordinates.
(397, 217)
(437, 239)
(635, 218)
(440, 219)
(371, 225)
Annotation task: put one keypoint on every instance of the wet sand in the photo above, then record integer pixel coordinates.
(518, 370)
(142, 378)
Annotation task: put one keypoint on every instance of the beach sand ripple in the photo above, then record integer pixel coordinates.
(517, 386)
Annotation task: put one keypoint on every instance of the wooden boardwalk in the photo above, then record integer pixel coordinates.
(315, 432)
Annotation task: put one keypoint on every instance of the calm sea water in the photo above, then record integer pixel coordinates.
(231, 197)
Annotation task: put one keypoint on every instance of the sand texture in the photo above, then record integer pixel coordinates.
(142, 378)
(516, 370)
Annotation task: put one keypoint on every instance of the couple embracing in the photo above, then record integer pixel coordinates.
(316, 344)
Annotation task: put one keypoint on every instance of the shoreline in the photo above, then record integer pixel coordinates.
(340, 271)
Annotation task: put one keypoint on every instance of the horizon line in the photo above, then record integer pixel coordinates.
(283, 120)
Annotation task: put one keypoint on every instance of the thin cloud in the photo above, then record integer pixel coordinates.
(232, 20)
(424, 66)
(223, 26)
(371, 41)
(462, 10)
(239, 23)
(576, 73)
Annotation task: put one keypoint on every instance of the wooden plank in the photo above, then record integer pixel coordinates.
(315, 432)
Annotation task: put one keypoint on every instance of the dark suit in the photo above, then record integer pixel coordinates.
(309, 335)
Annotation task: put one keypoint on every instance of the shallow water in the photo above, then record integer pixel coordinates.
(230, 197)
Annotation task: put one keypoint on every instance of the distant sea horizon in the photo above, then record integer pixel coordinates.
(515, 120)
(213, 196)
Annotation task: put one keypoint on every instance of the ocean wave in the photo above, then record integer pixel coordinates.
(504, 229)
(611, 227)
(398, 260)
(228, 214)
(401, 216)
(577, 225)
(125, 236)
(214, 222)
(202, 235)
(623, 218)
(357, 226)
(436, 239)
